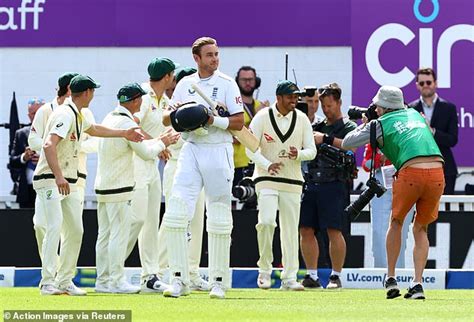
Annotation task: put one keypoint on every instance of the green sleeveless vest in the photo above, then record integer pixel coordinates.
(406, 136)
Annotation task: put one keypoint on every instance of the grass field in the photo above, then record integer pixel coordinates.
(259, 305)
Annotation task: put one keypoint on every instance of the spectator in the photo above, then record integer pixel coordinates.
(23, 158)
(442, 117)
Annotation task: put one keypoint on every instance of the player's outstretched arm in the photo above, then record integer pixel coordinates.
(132, 134)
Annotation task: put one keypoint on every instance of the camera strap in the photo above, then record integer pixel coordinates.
(373, 145)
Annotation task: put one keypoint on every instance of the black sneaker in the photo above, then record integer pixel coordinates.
(415, 293)
(392, 288)
(334, 282)
(308, 282)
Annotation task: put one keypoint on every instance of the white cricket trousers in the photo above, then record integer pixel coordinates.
(114, 219)
(63, 216)
(196, 226)
(288, 204)
(209, 166)
(39, 221)
(146, 205)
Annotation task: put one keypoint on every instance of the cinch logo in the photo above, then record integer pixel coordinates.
(23, 10)
(405, 35)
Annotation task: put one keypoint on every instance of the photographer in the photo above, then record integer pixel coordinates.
(405, 138)
(285, 136)
(327, 192)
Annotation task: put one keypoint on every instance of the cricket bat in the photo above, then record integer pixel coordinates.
(244, 136)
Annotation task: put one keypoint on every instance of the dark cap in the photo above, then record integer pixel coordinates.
(183, 72)
(287, 87)
(65, 79)
(81, 83)
(130, 92)
(159, 67)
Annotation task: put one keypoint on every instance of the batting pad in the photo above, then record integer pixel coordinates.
(219, 218)
(219, 258)
(175, 222)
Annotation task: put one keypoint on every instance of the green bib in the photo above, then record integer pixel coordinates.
(406, 136)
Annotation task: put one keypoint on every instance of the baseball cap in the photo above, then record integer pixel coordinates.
(287, 87)
(389, 97)
(159, 67)
(183, 72)
(81, 83)
(65, 79)
(130, 92)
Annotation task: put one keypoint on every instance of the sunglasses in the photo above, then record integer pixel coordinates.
(422, 83)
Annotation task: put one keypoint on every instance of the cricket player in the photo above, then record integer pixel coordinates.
(286, 139)
(114, 187)
(35, 141)
(205, 161)
(55, 182)
(197, 283)
(146, 201)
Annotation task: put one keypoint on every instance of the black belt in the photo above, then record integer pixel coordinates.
(51, 176)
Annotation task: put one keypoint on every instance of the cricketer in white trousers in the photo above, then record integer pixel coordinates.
(88, 145)
(211, 166)
(269, 201)
(146, 205)
(63, 215)
(196, 226)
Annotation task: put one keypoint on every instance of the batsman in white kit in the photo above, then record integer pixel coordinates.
(114, 187)
(206, 159)
(55, 182)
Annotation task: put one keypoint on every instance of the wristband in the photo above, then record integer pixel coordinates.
(328, 139)
(221, 122)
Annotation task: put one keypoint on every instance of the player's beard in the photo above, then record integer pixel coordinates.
(246, 92)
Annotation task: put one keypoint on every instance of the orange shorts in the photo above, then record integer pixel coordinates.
(420, 187)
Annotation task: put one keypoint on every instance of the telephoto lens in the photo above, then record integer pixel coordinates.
(374, 188)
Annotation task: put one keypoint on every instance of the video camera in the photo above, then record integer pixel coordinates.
(245, 189)
(308, 91)
(339, 159)
(374, 188)
(355, 112)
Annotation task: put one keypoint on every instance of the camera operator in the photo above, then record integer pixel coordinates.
(326, 194)
(405, 138)
(248, 83)
(285, 136)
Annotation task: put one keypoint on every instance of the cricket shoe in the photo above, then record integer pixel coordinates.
(199, 284)
(291, 285)
(102, 288)
(49, 289)
(176, 289)
(264, 281)
(125, 288)
(153, 284)
(72, 290)
(217, 291)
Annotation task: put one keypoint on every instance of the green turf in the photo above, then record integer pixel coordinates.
(259, 305)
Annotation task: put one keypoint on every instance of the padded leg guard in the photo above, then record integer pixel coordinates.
(219, 228)
(175, 222)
